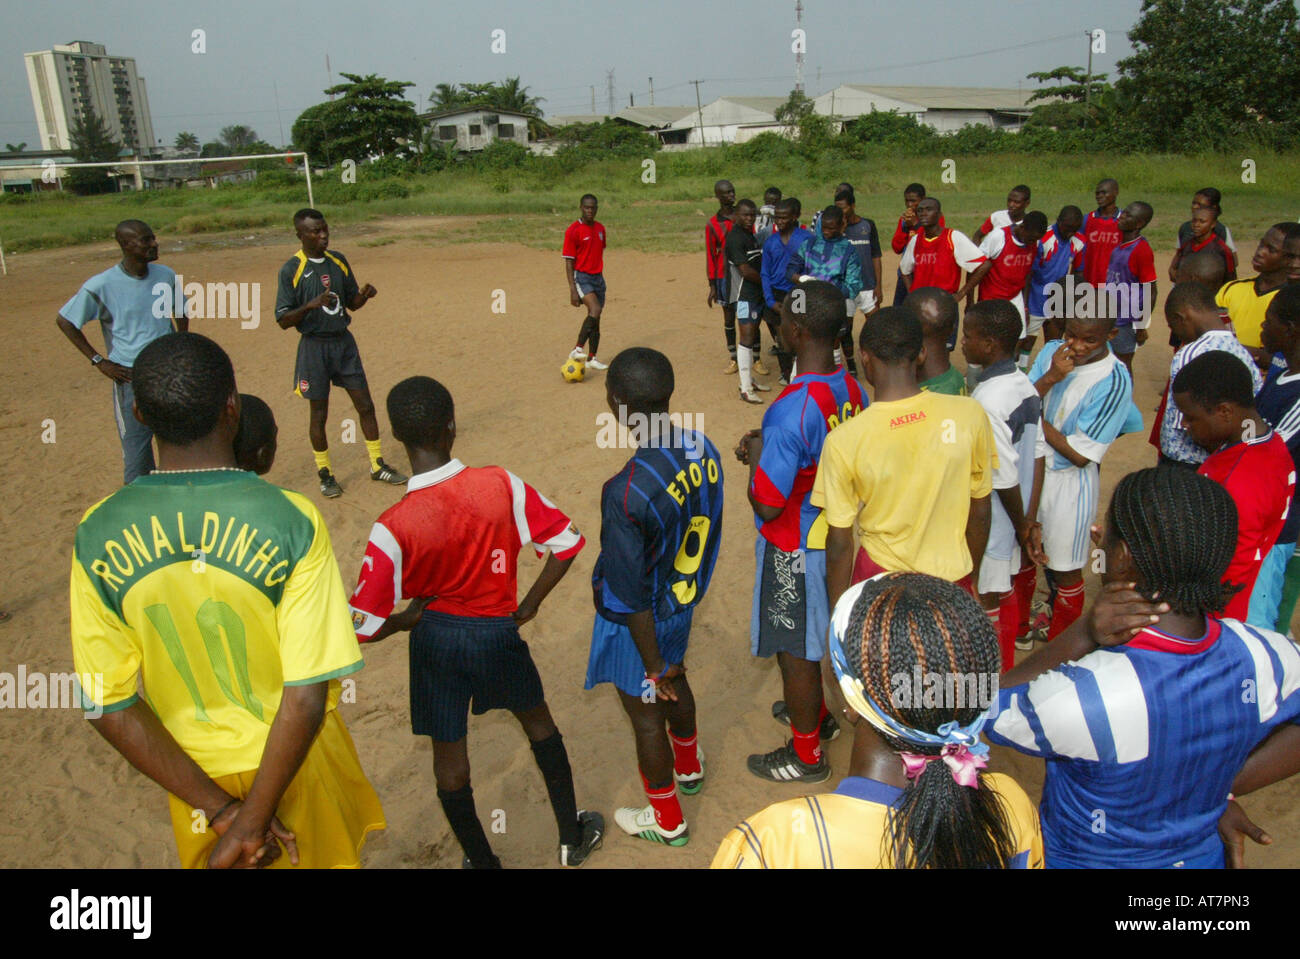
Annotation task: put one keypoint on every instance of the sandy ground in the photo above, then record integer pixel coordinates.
(70, 800)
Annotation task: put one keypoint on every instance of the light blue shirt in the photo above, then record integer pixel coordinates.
(131, 312)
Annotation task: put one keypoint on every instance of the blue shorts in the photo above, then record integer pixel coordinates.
(590, 283)
(456, 660)
(720, 290)
(1125, 341)
(614, 657)
(748, 313)
(791, 612)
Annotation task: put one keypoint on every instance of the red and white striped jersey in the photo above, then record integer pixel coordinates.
(456, 535)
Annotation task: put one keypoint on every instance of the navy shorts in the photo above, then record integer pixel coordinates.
(590, 283)
(323, 360)
(459, 660)
(748, 312)
(720, 286)
(1125, 341)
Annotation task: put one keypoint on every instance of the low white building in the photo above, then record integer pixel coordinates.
(943, 108)
(722, 120)
(473, 128)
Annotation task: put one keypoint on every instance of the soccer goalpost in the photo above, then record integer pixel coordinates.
(49, 173)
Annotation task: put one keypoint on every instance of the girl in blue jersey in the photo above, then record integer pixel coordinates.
(1147, 708)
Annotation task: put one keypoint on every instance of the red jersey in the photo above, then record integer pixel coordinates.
(1102, 235)
(903, 233)
(1259, 475)
(456, 535)
(585, 246)
(941, 261)
(1012, 263)
(1214, 245)
(715, 246)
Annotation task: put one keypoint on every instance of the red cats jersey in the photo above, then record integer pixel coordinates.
(456, 535)
(903, 233)
(715, 241)
(941, 261)
(1012, 262)
(1101, 233)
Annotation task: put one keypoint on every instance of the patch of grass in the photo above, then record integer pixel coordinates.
(532, 204)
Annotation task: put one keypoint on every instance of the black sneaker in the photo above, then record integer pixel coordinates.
(830, 728)
(783, 765)
(386, 474)
(593, 833)
(329, 486)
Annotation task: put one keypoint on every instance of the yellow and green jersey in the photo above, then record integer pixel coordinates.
(208, 592)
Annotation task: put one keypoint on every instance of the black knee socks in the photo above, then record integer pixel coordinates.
(553, 761)
(729, 329)
(590, 332)
(459, 808)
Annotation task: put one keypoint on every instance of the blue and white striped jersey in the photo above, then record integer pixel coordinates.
(1144, 740)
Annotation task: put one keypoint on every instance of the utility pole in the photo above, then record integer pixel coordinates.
(699, 110)
(631, 99)
(329, 73)
(798, 56)
(1087, 85)
(652, 91)
(609, 86)
(593, 101)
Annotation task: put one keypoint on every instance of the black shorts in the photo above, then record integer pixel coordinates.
(456, 660)
(323, 360)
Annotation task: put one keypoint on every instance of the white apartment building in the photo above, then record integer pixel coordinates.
(72, 78)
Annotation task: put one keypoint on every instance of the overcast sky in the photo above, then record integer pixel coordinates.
(263, 51)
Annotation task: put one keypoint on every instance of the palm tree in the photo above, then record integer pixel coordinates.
(187, 142)
(16, 147)
(445, 96)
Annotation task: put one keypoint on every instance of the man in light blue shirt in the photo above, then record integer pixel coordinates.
(133, 302)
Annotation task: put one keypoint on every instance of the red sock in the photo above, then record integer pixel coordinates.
(1067, 608)
(808, 746)
(685, 758)
(1007, 624)
(668, 811)
(1023, 586)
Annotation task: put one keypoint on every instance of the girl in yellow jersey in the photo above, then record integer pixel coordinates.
(916, 665)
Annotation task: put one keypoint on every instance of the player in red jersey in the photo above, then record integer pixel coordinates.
(584, 265)
(1247, 457)
(908, 225)
(1101, 233)
(937, 255)
(453, 542)
(1010, 251)
(715, 262)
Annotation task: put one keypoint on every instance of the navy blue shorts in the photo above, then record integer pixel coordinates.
(323, 360)
(614, 657)
(720, 288)
(590, 283)
(456, 660)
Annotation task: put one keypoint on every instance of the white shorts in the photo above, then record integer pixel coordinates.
(1033, 325)
(1066, 509)
(866, 302)
(995, 574)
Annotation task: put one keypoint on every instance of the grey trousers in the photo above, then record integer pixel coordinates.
(136, 438)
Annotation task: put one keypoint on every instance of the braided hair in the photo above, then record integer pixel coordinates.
(902, 621)
(1181, 529)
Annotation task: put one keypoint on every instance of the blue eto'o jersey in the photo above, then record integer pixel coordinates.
(661, 525)
(1142, 741)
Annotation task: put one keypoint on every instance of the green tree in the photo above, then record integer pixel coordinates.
(796, 107)
(237, 138)
(187, 141)
(370, 117)
(1208, 72)
(16, 147)
(1072, 103)
(91, 143)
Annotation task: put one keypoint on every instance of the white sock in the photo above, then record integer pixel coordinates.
(1023, 362)
(744, 361)
(839, 356)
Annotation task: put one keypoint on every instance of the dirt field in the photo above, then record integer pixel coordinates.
(70, 800)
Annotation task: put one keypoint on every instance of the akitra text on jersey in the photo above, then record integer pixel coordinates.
(205, 541)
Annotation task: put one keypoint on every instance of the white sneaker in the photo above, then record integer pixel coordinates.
(595, 364)
(578, 354)
(762, 387)
(641, 824)
(750, 397)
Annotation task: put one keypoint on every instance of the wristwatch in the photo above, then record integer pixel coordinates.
(96, 360)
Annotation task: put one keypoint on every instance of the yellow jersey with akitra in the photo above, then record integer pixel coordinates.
(210, 591)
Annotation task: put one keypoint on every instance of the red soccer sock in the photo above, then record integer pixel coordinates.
(1007, 625)
(668, 811)
(1023, 586)
(808, 746)
(1066, 609)
(685, 757)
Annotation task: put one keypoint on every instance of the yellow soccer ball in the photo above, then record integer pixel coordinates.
(573, 370)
